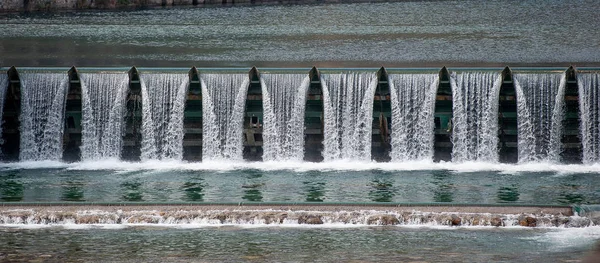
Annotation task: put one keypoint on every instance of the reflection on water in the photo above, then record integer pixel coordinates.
(51, 185)
(382, 190)
(570, 195)
(508, 194)
(11, 189)
(194, 190)
(444, 187)
(252, 186)
(132, 191)
(315, 191)
(72, 191)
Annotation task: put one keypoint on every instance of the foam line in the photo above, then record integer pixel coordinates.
(342, 165)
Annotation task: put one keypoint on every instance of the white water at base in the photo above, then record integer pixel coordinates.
(163, 103)
(223, 107)
(273, 216)
(475, 116)
(3, 89)
(43, 97)
(413, 108)
(589, 112)
(103, 105)
(284, 101)
(540, 111)
(341, 165)
(348, 114)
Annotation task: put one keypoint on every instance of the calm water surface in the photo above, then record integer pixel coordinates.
(407, 33)
(183, 184)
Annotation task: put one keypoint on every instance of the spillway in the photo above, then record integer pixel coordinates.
(464, 115)
(223, 100)
(589, 101)
(475, 116)
(42, 116)
(413, 106)
(540, 112)
(348, 107)
(163, 100)
(103, 108)
(284, 101)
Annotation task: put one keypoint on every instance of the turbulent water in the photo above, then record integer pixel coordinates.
(284, 101)
(227, 215)
(223, 106)
(540, 110)
(348, 111)
(163, 100)
(475, 116)
(42, 115)
(103, 104)
(589, 108)
(413, 107)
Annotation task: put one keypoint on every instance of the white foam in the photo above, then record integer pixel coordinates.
(342, 165)
(565, 238)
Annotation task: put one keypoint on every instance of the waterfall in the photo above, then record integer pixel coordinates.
(3, 88)
(540, 110)
(284, 101)
(413, 108)
(589, 112)
(475, 116)
(163, 103)
(223, 106)
(348, 113)
(103, 105)
(43, 97)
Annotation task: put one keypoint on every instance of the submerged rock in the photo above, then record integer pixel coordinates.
(455, 220)
(385, 220)
(496, 221)
(527, 221)
(310, 220)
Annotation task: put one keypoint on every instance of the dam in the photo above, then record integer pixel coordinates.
(509, 115)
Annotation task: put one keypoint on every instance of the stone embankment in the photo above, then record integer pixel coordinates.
(58, 5)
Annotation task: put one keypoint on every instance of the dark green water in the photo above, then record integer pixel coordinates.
(259, 183)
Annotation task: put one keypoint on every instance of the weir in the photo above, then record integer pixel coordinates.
(398, 115)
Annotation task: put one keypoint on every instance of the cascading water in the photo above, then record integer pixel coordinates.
(223, 105)
(43, 97)
(540, 110)
(413, 108)
(284, 101)
(348, 113)
(475, 116)
(589, 112)
(163, 103)
(103, 105)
